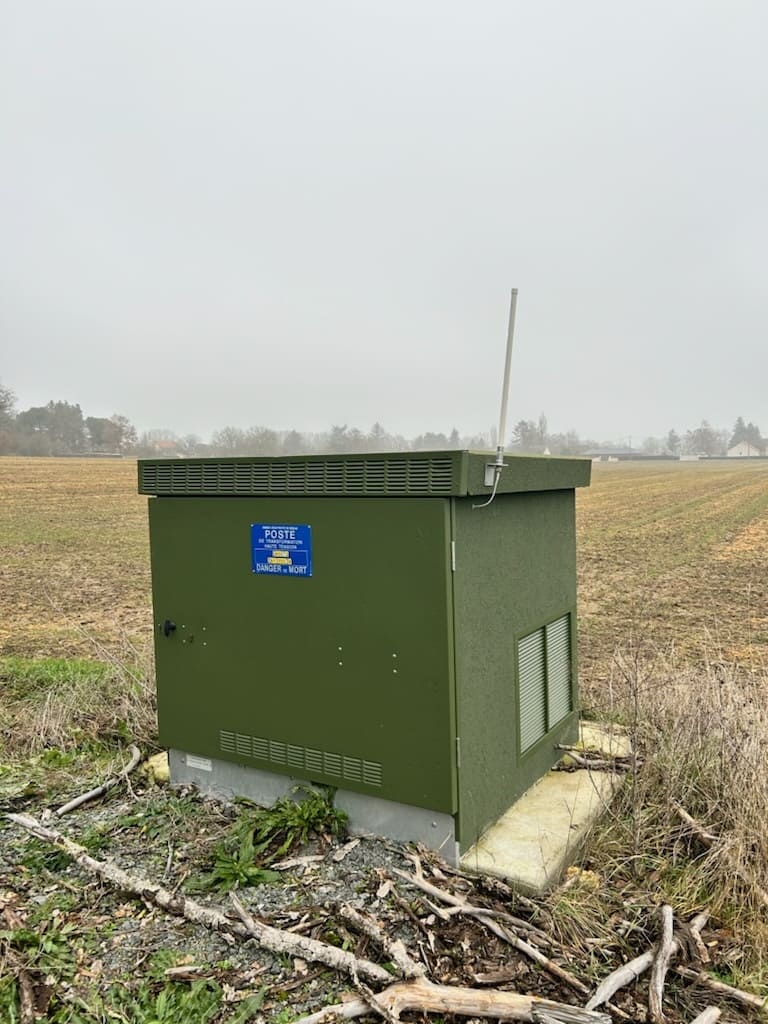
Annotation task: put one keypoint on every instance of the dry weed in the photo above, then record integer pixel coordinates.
(64, 704)
(701, 732)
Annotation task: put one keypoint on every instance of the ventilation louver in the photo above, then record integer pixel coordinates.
(544, 679)
(413, 475)
(306, 760)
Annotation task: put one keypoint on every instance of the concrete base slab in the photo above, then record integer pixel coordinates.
(531, 845)
(368, 815)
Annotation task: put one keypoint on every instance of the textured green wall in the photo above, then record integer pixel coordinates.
(515, 571)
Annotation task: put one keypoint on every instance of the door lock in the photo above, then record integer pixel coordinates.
(168, 627)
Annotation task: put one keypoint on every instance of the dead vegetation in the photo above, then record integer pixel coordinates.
(65, 704)
(689, 827)
(451, 950)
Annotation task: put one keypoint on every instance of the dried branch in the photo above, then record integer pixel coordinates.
(499, 924)
(661, 966)
(708, 1016)
(632, 970)
(737, 994)
(709, 840)
(105, 787)
(273, 939)
(393, 948)
(619, 763)
(422, 995)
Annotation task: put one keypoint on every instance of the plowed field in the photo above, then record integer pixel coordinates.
(669, 553)
(674, 554)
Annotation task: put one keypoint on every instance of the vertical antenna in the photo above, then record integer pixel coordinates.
(493, 470)
(505, 387)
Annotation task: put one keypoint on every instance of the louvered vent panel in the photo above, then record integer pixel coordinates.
(277, 752)
(295, 756)
(261, 748)
(194, 479)
(334, 477)
(243, 744)
(297, 477)
(411, 475)
(558, 640)
(397, 475)
(147, 479)
(226, 476)
(418, 475)
(373, 773)
(243, 478)
(375, 477)
(210, 478)
(532, 686)
(354, 477)
(278, 477)
(316, 478)
(307, 760)
(441, 476)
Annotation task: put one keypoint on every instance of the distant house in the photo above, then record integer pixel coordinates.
(610, 454)
(744, 450)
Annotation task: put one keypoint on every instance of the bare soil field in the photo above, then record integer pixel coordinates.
(669, 554)
(674, 555)
(74, 557)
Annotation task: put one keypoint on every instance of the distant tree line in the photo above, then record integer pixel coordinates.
(60, 428)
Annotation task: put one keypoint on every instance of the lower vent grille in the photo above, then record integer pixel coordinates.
(309, 760)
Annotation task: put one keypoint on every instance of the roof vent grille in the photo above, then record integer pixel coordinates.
(407, 475)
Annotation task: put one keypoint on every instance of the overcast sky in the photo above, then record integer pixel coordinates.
(303, 213)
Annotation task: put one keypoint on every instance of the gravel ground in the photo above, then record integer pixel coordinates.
(100, 938)
(169, 836)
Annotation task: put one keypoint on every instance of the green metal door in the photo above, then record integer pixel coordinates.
(345, 677)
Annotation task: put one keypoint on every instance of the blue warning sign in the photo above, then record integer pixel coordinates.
(281, 549)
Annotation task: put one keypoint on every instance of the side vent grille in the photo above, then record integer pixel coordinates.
(559, 703)
(435, 475)
(307, 760)
(544, 680)
(531, 678)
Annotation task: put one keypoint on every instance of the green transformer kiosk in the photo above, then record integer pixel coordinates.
(359, 622)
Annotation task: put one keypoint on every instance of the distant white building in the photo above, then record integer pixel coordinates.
(744, 450)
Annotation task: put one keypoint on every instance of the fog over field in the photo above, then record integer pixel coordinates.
(312, 213)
